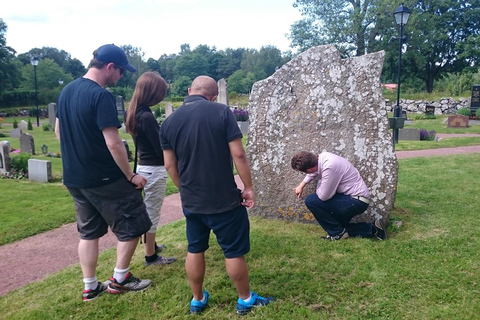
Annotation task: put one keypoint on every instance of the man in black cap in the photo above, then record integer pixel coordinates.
(96, 171)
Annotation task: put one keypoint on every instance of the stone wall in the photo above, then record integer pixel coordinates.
(442, 106)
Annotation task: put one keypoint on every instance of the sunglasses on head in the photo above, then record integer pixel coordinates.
(122, 69)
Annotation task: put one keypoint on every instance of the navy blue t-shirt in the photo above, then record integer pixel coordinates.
(84, 110)
(199, 132)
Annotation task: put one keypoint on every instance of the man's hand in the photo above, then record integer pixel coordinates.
(139, 181)
(249, 198)
(299, 189)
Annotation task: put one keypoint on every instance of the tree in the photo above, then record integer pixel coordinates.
(442, 35)
(345, 23)
(181, 85)
(9, 69)
(241, 82)
(262, 63)
(48, 73)
(75, 67)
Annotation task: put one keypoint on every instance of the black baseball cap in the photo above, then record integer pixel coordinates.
(111, 53)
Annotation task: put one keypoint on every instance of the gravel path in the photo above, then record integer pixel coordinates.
(34, 258)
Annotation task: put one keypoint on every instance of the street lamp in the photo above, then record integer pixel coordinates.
(60, 81)
(401, 14)
(34, 62)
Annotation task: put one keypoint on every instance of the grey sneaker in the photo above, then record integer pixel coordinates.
(161, 260)
(380, 230)
(343, 235)
(89, 295)
(129, 284)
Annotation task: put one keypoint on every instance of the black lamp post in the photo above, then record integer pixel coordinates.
(34, 62)
(401, 14)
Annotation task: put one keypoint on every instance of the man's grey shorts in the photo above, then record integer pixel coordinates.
(118, 205)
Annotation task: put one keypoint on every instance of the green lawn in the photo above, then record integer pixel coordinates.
(427, 269)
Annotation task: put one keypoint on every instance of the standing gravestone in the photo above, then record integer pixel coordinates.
(318, 102)
(23, 125)
(222, 91)
(52, 111)
(15, 133)
(4, 156)
(39, 170)
(120, 107)
(27, 143)
(168, 110)
(475, 100)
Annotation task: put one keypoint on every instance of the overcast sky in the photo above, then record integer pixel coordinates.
(156, 26)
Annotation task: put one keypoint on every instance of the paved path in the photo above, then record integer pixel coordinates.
(34, 258)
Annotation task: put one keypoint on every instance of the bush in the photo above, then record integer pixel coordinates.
(19, 166)
(464, 112)
(477, 113)
(46, 127)
(30, 127)
(427, 135)
(15, 124)
(240, 114)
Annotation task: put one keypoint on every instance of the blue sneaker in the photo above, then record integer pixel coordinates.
(199, 306)
(255, 301)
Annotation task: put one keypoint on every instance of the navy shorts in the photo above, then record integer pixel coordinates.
(118, 205)
(232, 229)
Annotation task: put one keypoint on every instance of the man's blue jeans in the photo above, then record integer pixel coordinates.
(335, 214)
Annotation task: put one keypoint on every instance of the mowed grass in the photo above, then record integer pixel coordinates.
(427, 269)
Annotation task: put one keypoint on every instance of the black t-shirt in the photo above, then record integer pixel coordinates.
(199, 132)
(150, 152)
(84, 110)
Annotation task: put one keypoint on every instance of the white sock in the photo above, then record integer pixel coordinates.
(90, 283)
(120, 274)
(203, 299)
(248, 299)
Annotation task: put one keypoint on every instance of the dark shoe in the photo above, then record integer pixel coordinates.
(343, 235)
(161, 260)
(199, 306)
(159, 248)
(255, 301)
(90, 295)
(129, 284)
(380, 229)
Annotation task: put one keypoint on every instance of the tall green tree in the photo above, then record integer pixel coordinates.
(9, 69)
(48, 73)
(349, 24)
(442, 35)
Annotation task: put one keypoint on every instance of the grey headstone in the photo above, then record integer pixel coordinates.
(319, 102)
(39, 170)
(222, 91)
(120, 107)
(4, 156)
(7, 143)
(168, 110)
(15, 133)
(409, 134)
(23, 125)
(27, 143)
(52, 110)
(243, 126)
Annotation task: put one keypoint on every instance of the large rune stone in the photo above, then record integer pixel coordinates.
(319, 102)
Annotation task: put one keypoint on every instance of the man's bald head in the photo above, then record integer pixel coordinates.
(205, 86)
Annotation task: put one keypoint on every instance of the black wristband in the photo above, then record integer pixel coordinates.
(132, 177)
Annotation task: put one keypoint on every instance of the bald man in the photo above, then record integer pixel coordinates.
(199, 141)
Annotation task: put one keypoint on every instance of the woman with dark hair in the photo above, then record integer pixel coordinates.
(140, 122)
